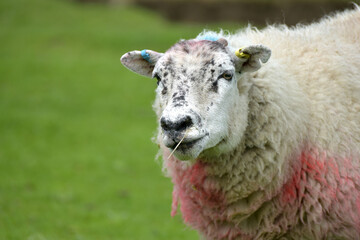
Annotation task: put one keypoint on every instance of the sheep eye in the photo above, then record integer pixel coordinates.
(227, 76)
(158, 79)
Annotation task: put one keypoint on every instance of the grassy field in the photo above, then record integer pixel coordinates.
(76, 160)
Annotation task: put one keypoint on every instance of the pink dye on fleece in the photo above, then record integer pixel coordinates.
(337, 182)
(190, 188)
(317, 178)
(202, 203)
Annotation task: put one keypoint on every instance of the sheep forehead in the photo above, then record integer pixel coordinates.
(195, 46)
(195, 60)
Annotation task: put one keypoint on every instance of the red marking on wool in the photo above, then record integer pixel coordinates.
(356, 213)
(316, 166)
(175, 202)
(202, 203)
(358, 204)
(290, 189)
(193, 193)
(338, 181)
(332, 181)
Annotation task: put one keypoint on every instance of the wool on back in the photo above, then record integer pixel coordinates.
(324, 59)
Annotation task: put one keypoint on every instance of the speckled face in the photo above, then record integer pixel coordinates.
(196, 94)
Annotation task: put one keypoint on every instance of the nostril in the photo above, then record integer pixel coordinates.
(178, 125)
(184, 123)
(165, 124)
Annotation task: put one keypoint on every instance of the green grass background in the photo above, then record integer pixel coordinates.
(76, 160)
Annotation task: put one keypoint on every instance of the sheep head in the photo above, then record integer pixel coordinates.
(201, 97)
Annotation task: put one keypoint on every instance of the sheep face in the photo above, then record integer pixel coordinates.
(201, 97)
(196, 95)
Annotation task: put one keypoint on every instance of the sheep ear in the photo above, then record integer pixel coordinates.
(141, 62)
(222, 41)
(248, 58)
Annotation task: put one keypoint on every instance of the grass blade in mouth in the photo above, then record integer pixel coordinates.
(182, 139)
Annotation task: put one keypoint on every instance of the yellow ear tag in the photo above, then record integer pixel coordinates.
(240, 54)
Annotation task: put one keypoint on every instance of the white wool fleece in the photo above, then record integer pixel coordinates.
(272, 136)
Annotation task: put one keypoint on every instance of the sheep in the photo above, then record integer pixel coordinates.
(260, 130)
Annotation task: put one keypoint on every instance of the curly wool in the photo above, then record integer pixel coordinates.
(296, 172)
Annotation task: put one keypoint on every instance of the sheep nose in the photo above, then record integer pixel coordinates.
(178, 125)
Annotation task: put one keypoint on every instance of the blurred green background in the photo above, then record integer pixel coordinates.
(76, 160)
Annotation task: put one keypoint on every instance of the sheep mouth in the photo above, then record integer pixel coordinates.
(185, 145)
(187, 149)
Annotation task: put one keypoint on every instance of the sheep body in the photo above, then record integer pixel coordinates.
(296, 172)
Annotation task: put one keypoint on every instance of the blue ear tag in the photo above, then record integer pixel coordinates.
(209, 38)
(145, 55)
